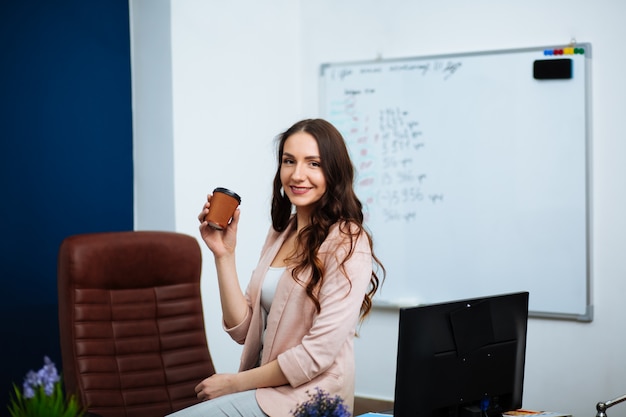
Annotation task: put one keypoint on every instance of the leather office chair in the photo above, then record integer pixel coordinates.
(132, 332)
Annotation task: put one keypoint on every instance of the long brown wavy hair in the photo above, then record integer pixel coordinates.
(339, 204)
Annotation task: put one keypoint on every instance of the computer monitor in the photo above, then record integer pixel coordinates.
(462, 358)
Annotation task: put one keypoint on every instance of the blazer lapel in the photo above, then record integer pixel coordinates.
(250, 353)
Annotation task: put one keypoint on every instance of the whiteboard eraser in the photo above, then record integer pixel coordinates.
(552, 69)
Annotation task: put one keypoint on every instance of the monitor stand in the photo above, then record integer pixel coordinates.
(475, 411)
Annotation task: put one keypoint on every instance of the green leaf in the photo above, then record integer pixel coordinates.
(54, 405)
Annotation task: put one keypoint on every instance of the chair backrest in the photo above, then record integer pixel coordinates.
(131, 323)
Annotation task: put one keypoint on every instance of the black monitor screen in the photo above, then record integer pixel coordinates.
(462, 358)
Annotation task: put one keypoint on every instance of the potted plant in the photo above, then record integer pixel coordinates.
(42, 395)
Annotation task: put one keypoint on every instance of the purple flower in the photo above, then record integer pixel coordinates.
(49, 375)
(46, 377)
(321, 404)
(27, 387)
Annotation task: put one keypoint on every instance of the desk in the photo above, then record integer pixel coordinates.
(516, 413)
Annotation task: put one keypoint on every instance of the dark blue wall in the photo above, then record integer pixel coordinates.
(65, 157)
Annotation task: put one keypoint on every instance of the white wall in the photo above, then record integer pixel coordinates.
(243, 71)
(153, 141)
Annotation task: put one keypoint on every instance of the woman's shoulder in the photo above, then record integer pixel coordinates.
(346, 234)
(346, 227)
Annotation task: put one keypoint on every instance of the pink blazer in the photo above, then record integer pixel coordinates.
(313, 350)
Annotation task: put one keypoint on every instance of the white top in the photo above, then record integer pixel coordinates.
(268, 290)
(269, 286)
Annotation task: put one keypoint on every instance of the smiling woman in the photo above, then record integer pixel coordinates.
(315, 280)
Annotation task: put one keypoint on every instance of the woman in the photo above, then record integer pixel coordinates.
(314, 281)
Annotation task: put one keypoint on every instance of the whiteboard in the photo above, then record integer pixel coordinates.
(474, 175)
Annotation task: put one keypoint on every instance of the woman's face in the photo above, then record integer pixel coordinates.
(301, 171)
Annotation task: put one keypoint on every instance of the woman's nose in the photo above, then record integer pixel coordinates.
(298, 173)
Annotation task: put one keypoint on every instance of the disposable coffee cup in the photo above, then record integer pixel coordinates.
(223, 205)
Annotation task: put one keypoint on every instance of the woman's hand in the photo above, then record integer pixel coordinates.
(220, 242)
(217, 385)
(268, 375)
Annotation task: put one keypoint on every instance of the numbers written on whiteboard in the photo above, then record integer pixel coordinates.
(391, 153)
(392, 180)
(399, 204)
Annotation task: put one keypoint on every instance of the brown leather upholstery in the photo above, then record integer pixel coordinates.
(133, 341)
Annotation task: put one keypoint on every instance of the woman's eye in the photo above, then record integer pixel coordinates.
(287, 161)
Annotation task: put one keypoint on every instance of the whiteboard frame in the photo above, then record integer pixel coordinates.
(587, 316)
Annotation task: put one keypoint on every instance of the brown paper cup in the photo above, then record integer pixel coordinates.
(223, 205)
